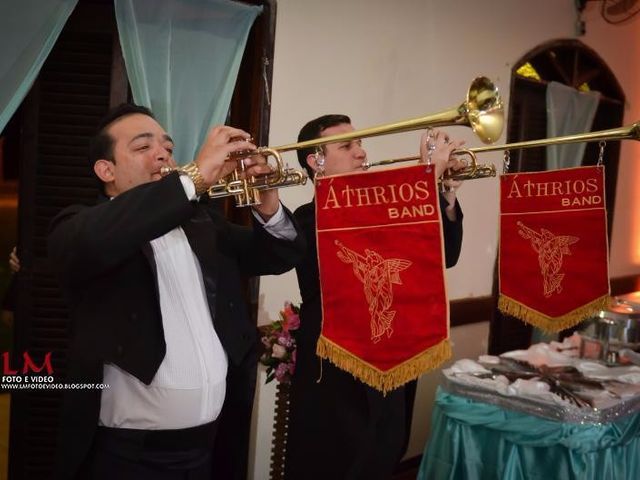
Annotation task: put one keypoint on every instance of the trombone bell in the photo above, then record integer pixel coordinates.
(484, 110)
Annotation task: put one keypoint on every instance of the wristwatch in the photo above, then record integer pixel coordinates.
(192, 171)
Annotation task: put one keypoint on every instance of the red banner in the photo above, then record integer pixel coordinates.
(554, 269)
(381, 259)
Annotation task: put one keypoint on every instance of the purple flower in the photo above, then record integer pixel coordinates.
(281, 372)
(284, 339)
(280, 345)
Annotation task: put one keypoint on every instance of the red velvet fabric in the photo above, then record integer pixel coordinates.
(381, 264)
(553, 239)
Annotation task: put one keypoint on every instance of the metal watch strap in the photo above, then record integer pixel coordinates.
(193, 172)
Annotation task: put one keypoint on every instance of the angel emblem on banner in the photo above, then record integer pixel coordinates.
(377, 275)
(551, 249)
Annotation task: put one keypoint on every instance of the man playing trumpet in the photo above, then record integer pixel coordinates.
(153, 279)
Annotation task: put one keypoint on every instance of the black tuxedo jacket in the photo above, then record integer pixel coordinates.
(106, 267)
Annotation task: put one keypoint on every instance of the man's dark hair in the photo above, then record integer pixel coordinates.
(312, 130)
(101, 144)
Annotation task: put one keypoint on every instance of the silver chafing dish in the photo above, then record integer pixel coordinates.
(613, 329)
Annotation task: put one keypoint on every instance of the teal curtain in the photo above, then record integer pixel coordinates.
(478, 441)
(182, 59)
(28, 29)
(569, 111)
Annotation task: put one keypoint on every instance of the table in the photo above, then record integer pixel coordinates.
(473, 440)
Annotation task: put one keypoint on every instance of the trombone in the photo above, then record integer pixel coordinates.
(475, 170)
(482, 110)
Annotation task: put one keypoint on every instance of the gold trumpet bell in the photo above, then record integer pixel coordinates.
(484, 110)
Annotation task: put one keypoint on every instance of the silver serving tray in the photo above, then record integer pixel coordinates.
(540, 408)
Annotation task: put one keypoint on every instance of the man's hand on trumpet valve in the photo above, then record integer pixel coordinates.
(221, 141)
(269, 199)
(214, 163)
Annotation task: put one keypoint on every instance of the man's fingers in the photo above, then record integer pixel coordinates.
(14, 263)
(456, 164)
(240, 145)
(228, 134)
(259, 169)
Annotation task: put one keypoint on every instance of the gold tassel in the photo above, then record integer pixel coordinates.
(409, 370)
(551, 324)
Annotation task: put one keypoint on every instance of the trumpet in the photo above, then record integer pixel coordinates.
(482, 110)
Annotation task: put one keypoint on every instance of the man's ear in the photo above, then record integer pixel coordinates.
(312, 161)
(104, 170)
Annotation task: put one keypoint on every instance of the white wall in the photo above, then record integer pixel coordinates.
(385, 60)
(619, 46)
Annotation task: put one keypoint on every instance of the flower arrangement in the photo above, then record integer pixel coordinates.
(280, 345)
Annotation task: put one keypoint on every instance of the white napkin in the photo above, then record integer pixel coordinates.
(466, 365)
(627, 374)
(523, 386)
(541, 354)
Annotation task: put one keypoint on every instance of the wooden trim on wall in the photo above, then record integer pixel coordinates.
(628, 284)
(480, 309)
(471, 310)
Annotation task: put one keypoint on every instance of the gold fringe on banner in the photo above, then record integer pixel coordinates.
(551, 324)
(409, 370)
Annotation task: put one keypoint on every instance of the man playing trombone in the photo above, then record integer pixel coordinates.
(339, 427)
